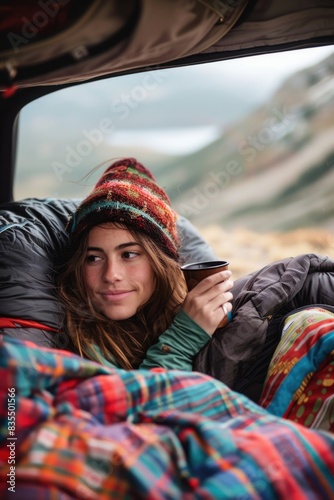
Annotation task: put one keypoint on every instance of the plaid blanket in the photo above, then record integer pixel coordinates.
(71, 428)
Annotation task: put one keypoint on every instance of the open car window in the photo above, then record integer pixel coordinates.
(243, 147)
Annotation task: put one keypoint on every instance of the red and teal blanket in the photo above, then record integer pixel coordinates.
(72, 429)
(300, 380)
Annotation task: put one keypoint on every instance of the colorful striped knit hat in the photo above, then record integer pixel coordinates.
(128, 193)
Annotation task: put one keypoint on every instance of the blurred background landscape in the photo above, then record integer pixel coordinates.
(247, 156)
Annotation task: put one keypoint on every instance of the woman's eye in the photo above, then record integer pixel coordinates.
(92, 258)
(130, 255)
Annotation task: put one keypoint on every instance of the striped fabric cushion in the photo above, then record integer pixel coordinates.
(300, 381)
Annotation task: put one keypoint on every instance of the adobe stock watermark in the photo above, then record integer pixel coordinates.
(31, 27)
(11, 438)
(121, 108)
(211, 189)
(273, 129)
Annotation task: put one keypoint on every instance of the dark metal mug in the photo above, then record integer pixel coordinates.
(194, 272)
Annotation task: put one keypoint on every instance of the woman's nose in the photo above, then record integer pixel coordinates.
(113, 272)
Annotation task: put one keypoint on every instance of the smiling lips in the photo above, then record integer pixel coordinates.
(115, 295)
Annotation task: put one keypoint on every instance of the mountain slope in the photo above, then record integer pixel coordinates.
(273, 170)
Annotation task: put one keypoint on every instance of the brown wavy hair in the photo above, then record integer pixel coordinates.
(126, 341)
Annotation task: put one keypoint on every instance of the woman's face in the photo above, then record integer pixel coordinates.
(117, 272)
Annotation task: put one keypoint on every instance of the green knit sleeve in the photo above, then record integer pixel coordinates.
(177, 346)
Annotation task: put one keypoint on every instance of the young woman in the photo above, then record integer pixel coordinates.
(124, 293)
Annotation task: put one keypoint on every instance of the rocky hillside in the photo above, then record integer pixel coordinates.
(248, 250)
(273, 170)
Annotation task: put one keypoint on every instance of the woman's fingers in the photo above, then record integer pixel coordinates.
(222, 299)
(211, 286)
(214, 279)
(204, 302)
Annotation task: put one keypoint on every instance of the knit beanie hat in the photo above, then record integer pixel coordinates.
(128, 193)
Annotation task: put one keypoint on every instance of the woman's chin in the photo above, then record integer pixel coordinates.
(120, 314)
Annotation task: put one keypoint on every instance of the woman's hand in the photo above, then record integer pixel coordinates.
(204, 303)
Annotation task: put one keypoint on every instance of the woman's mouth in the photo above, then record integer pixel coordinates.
(115, 295)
